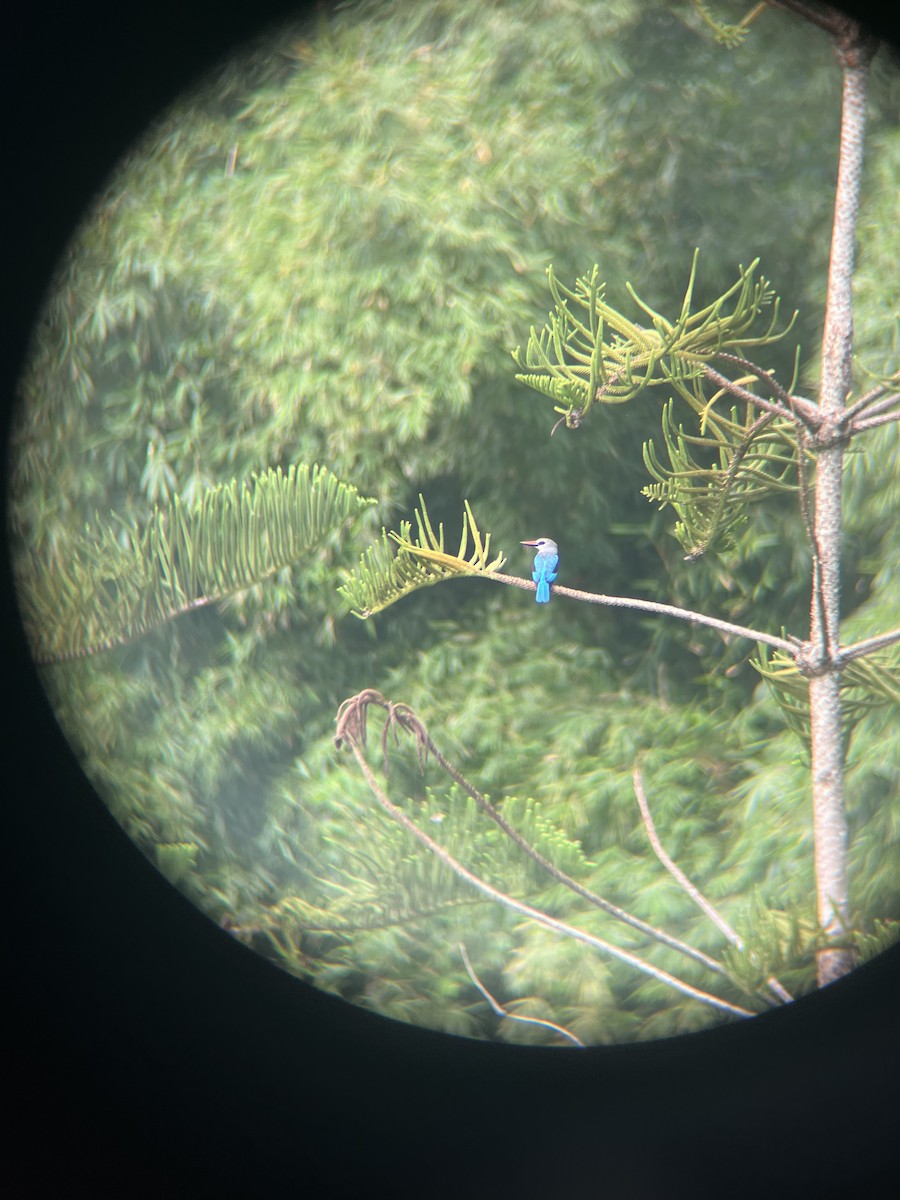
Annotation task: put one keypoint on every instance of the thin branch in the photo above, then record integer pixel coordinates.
(348, 724)
(407, 719)
(773, 407)
(870, 422)
(560, 876)
(874, 400)
(690, 888)
(868, 646)
(808, 410)
(827, 20)
(762, 376)
(666, 610)
(674, 870)
(502, 1012)
(804, 491)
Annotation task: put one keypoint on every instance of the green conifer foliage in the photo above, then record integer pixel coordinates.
(325, 255)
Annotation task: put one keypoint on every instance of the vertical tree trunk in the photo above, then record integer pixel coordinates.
(835, 958)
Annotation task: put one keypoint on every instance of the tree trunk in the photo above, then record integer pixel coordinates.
(836, 957)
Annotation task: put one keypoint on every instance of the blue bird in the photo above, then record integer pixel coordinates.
(546, 566)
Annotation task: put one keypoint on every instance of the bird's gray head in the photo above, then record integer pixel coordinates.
(543, 545)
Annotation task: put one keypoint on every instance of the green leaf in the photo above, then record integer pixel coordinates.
(576, 362)
(119, 580)
(866, 684)
(383, 577)
(711, 479)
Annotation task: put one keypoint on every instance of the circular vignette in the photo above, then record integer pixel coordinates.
(211, 637)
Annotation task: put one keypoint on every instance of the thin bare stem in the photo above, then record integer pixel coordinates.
(804, 492)
(674, 870)
(353, 714)
(764, 377)
(690, 888)
(403, 716)
(666, 610)
(867, 646)
(871, 422)
(772, 407)
(874, 400)
(502, 1012)
(827, 18)
(349, 723)
(600, 902)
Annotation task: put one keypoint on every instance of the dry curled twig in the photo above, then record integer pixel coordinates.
(351, 725)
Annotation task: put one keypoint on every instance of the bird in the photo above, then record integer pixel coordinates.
(546, 566)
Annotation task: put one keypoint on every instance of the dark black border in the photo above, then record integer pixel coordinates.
(151, 1054)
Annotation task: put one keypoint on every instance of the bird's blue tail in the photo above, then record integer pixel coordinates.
(543, 588)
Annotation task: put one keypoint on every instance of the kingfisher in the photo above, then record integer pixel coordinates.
(546, 566)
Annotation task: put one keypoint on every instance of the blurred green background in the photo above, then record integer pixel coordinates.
(325, 254)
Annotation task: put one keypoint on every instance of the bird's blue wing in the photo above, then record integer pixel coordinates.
(545, 572)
